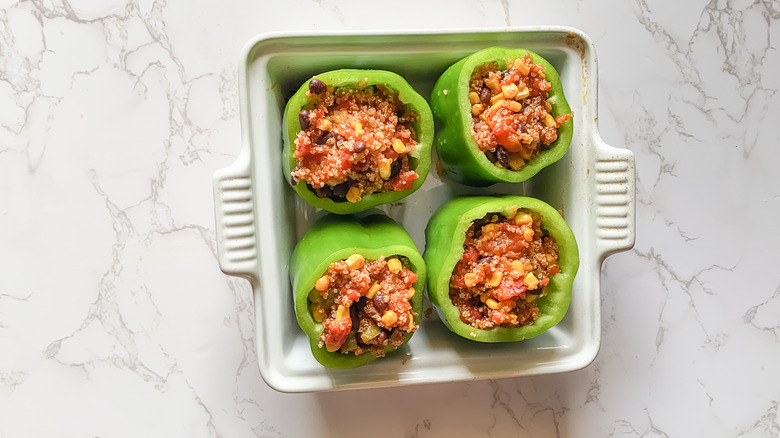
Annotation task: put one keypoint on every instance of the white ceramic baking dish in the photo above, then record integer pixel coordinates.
(260, 218)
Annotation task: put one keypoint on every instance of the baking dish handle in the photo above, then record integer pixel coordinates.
(235, 219)
(615, 179)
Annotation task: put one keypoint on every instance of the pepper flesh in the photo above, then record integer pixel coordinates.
(420, 157)
(455, 145)
(335, 238)
(445, 235)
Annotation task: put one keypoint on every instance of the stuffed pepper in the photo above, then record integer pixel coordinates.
(355, 139)
(358, 288)
(503, 117)
(500, 268)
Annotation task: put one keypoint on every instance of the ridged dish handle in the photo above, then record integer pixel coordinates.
(235, 219)
(615, 179)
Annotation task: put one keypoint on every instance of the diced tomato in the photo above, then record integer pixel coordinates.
(344, 156)
(471, 255)
(405, 181)
(510, 289)
(410, 278)
(336, 331)
(560, 120)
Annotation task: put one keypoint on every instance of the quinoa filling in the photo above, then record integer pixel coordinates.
(507, 262)
(511, 120)
(354, 141)
(364, 305)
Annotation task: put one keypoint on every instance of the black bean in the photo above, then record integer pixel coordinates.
(537, 291)
(303, 117)
(484, 96)
(324, 138)
(293, 180)
(544, 147)
(316, 86)
(379, 303)
(358, 146)
(503, 156)
(380, 339)
(395, 168)
(355, 311)
(340, 190)
(545, 233)
(491, 155)
(477, 232)
(324, 192)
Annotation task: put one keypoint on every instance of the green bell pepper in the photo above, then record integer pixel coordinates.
(335, 238)
(455, 144)
(419, 158)
(445, 236)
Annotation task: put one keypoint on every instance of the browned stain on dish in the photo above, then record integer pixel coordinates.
(440, 169)
(575, 42)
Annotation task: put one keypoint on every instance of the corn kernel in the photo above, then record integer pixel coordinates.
(373, 290)
(517, 265)
(522, 67)
(355, 261)
(399, 146)
(530, 298)
(411, 327)
(332, 347)
(531, 280)
(493, 84)
(549, 121)
(358, 128)
(493, 304)
(389, 318)
(477, 109)
(394, 265)
(528, 267)
(385, 169)
(515, 106)
(322, 283)
(516, 162)
(497, 105)
(528, 234)
(324, 125)
(551, 260)
(510, 91)
(523, 93)
(342, 313)
(526, 152)
(523, 219)
(512, 212)
(484, 296)
(473, 97)
(353, 195)
(410, 293)
(497, 97)
(470, 279)
(495, 279)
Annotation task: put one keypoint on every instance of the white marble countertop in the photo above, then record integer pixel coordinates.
(116, 321)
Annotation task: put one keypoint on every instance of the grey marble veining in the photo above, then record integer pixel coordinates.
(116, 321)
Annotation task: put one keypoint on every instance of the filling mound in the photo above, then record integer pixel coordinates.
(510, 112)
(507, 262)
(354, 141)
(364, 305)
